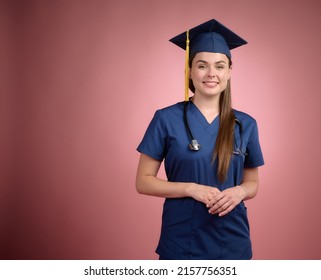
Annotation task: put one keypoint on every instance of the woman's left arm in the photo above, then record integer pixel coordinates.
(227, 200)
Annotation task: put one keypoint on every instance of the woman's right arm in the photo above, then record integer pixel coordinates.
(148, 183)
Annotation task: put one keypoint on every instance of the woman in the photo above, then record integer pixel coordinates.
(204, 216)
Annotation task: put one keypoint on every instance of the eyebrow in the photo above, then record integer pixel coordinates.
(204, 61)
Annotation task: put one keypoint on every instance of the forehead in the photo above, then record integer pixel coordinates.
(210, 57)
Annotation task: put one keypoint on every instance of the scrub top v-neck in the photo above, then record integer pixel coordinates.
(188, 230)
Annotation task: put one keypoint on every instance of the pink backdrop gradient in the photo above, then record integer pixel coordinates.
(80, 81)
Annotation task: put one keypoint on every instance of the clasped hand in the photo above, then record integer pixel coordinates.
(219, 202)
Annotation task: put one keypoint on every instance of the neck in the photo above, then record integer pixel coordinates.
(210, 107)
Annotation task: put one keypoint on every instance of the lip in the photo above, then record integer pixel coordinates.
(210, 83)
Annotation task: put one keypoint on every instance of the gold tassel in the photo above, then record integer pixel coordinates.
(187, 67)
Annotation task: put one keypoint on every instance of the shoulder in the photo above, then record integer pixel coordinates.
(248, 123)
(244, 117)
(172, 108)
(164, 116)
(250, 129)
(170, 111)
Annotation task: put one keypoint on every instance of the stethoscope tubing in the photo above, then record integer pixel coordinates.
(195, 146)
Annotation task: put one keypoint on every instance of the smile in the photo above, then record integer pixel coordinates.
(210, 83)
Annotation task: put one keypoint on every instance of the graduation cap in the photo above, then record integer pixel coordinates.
(211, 36)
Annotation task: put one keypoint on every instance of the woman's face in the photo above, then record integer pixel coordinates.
(210, 73)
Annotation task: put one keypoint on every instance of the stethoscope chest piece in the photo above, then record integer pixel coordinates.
(194, 146)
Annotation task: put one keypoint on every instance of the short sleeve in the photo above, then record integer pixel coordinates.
(254, 156)
(153, 143)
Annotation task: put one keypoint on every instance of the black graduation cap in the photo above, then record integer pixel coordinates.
(210, 36)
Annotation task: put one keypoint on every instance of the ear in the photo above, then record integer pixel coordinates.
(229, 73)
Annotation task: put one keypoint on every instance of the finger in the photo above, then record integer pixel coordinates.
(214, 200)
(215, 210)
(226, 211)
(219, 206)
(217, 201)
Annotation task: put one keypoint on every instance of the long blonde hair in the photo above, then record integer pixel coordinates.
(223, 149)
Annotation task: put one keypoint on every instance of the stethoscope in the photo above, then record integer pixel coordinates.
(195, 146)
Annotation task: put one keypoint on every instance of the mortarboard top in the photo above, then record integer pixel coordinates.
(210, 36)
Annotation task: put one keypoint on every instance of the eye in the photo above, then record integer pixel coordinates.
(202, 66)
(220, 66)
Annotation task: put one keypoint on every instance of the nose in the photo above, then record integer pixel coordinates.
(211, 72)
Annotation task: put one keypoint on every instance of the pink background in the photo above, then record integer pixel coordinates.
(80, 81)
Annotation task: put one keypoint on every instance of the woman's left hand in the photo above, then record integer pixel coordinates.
(225, 201)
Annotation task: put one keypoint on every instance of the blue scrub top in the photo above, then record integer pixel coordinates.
(188, 230)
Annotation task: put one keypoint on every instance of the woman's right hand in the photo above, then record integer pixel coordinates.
(148, 183)
(202, 193)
